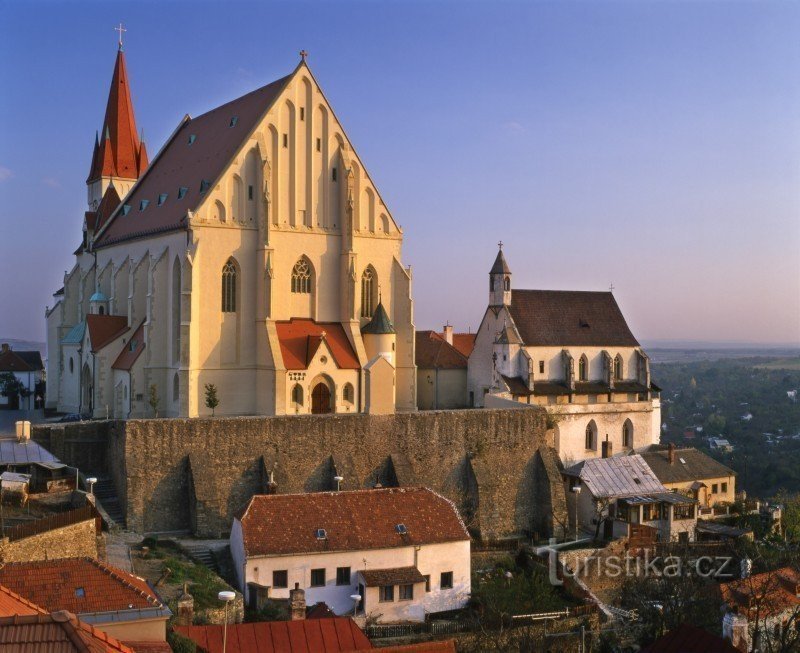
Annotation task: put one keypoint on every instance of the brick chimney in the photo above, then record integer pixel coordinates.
(607, 448)
(448, 333)
(671, 453)
(297, 603)
(185, 607)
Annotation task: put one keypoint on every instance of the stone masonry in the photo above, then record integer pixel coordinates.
(73, 541)
(498, 466)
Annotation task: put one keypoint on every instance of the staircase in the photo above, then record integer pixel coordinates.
(202, 554)
(106, 495)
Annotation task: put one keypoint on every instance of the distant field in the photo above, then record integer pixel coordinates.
(781, 364)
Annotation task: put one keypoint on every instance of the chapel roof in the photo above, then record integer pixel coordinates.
(105, 328)
(500, 266)
(280, 524)
(193, 159)
(300, 338)
(131, 350)
(558, 318)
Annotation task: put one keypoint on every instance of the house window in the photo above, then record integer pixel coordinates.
(342, 575)
(583, 369)
(286, 140)
(250, 192)
(80, 592)
(446, 581)
(367, 282)
(627, 434)
(297, 394)
(229, 287)
(406, 592)
(71, 365)
(280, 578)
(649, 512)
(618, 367)
(333, 174)
(387, 593)
(301, 277)
(541, 367)
(724, 488)
(683, 512)
(319, 145)
(591, 436)
(714, 488)
(317, 578)
(347, 393)
(162, 198)
(182, 192)
(427, 578)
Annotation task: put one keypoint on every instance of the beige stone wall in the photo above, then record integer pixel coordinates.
(76, 540)
(441, 389)
(140, 630)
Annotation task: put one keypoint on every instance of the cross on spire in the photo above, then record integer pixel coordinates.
(611, 287)
(120, 29)
(500, 244)
(303, 54)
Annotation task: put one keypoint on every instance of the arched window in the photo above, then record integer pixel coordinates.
(101, 310)
(347, 392)
(507, 284)
(367, 289)
(176, 387)
(627, 434)
(618, 367)
(591, 436)
(229, 287)
(297, 394)
(583, 369)
(301, 277)
(71, 365)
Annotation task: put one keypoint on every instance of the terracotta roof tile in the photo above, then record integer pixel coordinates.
(12, 603)
(433, 351)
(58, 632)
(80, 585)
(105, 328)
(127, 357)
(20, 361)
(300, 339)
(394, 576)
(107, 206)
(558, 318)
(356, 520)
(148, 647)
(464, 342)
(180, 164)
(771, 592)
(306, 636)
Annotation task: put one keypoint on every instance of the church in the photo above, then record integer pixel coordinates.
(572, 353)
(253, 253)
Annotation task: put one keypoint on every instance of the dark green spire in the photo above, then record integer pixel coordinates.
(380, 323)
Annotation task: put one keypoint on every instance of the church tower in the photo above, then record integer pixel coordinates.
(119, 156)
(500, 281)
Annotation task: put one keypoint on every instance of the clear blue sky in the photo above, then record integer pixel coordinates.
(652, 145)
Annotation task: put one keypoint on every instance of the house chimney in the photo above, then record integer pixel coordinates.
(4, 348)
(448, 333)
(297, 603)
(607, 448)
(185, 607)
(671, 453)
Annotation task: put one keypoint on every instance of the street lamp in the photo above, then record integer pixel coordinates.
(577, 491)
(91, 481)
(338, 480)
(356, 598)
(227, 597)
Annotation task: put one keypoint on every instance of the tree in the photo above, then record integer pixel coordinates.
(211, 397)
(153, 399)
(10, 385)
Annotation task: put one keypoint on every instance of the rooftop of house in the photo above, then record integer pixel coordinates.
(688, 464)
(690, 639)
(19, 361)
(618, 476)
(770, 592)
(57, 632)
(332, 635)
(131, 350)
(432, 351)
(321, 522)
(556, 318)
(84, 586)
(301, 338)
(12, 603)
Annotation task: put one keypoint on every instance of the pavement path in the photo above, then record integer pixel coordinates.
(118, 549)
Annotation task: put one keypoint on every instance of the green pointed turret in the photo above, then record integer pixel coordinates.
(380, 323)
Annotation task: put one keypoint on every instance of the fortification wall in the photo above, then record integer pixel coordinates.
(73, 541)
(195, 474)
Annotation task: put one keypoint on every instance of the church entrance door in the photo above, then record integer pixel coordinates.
(320, 399)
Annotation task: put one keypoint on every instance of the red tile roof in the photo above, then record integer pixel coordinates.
(119, 152)
(107, 206)
(59, 632)
(771, 592)
(566, 317)
(181, 164)
(127, 357)
(20, 361)
(304, 636)
(394, 576)
(690, 639)
(300, 339)
(464, 342)
(433, 351)
(105, 328)
(278, 524)
(12, 603)
(148, 647)
(56, 585)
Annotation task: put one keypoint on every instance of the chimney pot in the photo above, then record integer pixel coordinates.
(448, 334)
(671, 453)
(607, 448)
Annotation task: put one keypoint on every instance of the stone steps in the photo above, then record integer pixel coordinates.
(106, 495)
(202, 555)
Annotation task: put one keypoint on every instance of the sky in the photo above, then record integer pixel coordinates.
(654, 146)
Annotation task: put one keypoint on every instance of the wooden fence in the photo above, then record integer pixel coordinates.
(59, 520)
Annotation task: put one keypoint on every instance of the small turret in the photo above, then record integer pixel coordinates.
(379, 335)
(98, 303)
(500, 281)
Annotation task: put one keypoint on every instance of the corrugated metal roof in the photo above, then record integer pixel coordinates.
(13, 452)
(618, 476)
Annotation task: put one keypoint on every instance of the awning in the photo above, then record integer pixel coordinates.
(393, 576)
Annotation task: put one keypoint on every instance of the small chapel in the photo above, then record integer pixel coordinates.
(253, 253)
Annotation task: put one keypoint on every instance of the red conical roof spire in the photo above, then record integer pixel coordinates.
(119, 153)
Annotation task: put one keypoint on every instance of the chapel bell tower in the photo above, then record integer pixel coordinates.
(500, 281)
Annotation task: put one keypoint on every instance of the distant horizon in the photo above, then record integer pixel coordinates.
(652, 146)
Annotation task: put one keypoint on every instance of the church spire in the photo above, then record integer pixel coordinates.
(500, 280)
(120, 153)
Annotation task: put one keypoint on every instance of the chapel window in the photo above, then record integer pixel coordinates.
(347, 392)
(583, 370)
(301, 277)
(229, 287)
(627, 434)
(618, 367)
(297, 394)
(367, 281)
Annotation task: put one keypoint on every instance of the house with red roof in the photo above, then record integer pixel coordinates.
(254, 252)
(26, 368)
(404, 552)
(442, 360)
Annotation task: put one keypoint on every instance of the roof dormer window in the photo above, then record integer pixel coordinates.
(204, 185)
(182, 192)
(192, 139)
(126, 208)
(162, 198)
(321, 534)
(143, 204)
(233, 122)
(401, 529)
